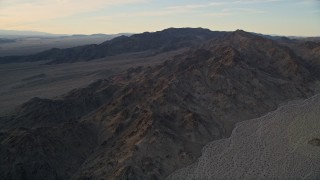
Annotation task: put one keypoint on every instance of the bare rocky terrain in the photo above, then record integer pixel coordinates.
(145, 120)
(283, 144)
(157, 42)
(20, 82)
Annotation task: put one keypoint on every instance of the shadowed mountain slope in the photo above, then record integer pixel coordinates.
(44, 139)
(167, 113)
(46, 112)
(309, 51)
(149, 121)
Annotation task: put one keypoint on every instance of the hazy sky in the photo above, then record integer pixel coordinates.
(285, 17)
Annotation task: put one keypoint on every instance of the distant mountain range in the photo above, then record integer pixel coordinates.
(14, 33)
(167, 40)
(146, 122)
(4, 40)
(157, 42)
(26, 43)
(9, 34)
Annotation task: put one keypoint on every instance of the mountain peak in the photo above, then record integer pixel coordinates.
(239, 30)
(242, 33)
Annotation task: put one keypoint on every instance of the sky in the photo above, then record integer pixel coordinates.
(278, 17)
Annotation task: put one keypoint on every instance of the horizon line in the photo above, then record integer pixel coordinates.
(132, 33)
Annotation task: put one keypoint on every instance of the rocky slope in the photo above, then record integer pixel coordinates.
(147, 122)
(46, 112)
(308, 50)
(161, 41)
(43, 139)
(283, 144)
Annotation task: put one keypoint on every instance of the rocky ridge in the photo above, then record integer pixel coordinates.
(147, 122)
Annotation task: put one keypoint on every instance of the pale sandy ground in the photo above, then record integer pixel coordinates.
(275, 146)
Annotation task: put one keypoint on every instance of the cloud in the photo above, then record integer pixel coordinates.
(174, 10)
(243, 11)
(234, 11)
(17, 12)
(308, 2)
(167, 11)
(315, 11)
(256, 1)
(217, 14)
(170, 10)
(155, 13)
(195, 6)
